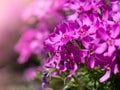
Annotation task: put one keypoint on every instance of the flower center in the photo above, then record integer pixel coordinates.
(110, 42)
(82, 31)
(79, 10)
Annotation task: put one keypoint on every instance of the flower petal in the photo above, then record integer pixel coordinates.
(111, 50)
(91, 62)
(73, 70)
(72, 17)
(105, 77)
(115, 31)
(101, 33)
(83, 53)
(117, 42)
(101, 48)
(114, 67)
(24, 56)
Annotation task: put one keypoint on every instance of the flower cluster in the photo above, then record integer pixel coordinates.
(90, 36)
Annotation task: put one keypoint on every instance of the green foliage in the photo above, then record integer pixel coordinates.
(84, 79)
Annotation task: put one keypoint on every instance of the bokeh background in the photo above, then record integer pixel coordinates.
(11, 73)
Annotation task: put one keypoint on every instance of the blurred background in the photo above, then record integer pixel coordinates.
(10, 28)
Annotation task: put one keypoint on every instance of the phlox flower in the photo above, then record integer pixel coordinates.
(108, 40)
(60, 37)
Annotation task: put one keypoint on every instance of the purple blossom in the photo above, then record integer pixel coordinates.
(30, 74)
(91, 37)
(30, 43)
(60, 37)
(108, 40)
(109, 64)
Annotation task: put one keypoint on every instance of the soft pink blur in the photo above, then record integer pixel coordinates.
(10, 23)
(42, 8)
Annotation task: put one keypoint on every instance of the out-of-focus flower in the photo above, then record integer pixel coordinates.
(43, 8)
(30, 43)
(30, 74)
(32, 40)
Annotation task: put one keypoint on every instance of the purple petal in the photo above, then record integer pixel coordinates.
(116, 17)
(115, 32)
(115, 67)
(105, 15)
(24, 56)
(117, 42)
(54, 38)
(72, 17)
(91, 62)
(105, 77)
(101, 48)
(86, 44)
(116, 70)
(111, 50)
(61, 67)
(101, 33)
(73, 71)
(82, 55)
(86, 20)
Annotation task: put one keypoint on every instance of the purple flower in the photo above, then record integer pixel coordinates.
(60, 37)
(90, 36)
(109, 65)
(30, 43)
(67, 62)
(108, 40)
(90, 56)
(30, 74)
